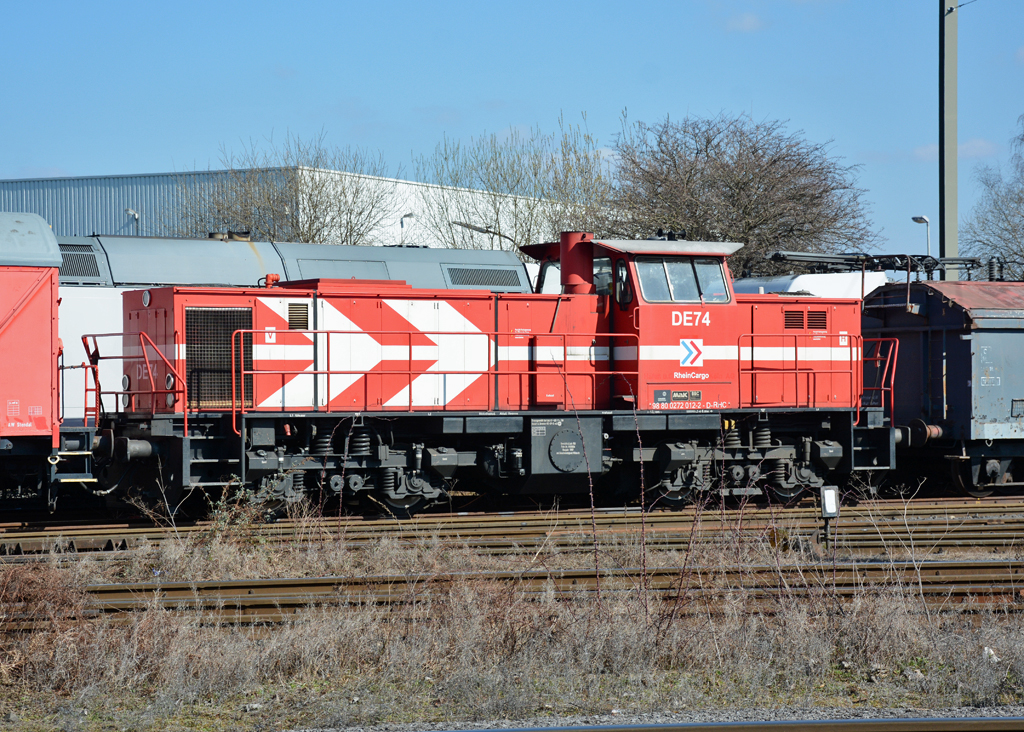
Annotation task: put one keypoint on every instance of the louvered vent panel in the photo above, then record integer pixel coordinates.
(794, 319)
(298, 316)
(475, 277)
(79, 260)
(817, 320)
(208, 356)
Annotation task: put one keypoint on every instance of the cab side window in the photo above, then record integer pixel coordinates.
(682, 279)
(712, 281)
(603, 275)
(551, 277)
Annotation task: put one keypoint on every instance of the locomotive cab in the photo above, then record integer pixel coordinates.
(670, 297)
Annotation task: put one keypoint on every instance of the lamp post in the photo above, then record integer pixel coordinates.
(482, 230)
(927, 232)
(134, 214)
(927, 228)
(401, 224)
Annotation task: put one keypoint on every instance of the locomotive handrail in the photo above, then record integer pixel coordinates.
(495, 364)
(92, 348)
(886, 378)
(809, 368)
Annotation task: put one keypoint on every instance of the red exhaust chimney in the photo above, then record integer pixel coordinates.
(576, 261)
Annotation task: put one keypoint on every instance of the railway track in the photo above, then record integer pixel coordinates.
(870, 528)
(937, 585)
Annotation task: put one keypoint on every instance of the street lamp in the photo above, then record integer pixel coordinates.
(401, 224)
(134, 214)
(928, 230)
(482, 230)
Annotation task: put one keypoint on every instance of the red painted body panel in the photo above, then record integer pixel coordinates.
(345, 345)
(29, 397)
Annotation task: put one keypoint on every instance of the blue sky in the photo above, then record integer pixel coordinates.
(113, 88)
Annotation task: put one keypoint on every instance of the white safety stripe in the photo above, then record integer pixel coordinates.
(732, 353)
(282, 352)
(553, 353)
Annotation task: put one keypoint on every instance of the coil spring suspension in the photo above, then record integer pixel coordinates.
(388, 480)
(762, 437)
(321, 444)
(732, 438)
(360, 441)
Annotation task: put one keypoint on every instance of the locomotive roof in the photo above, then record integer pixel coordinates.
(27, 241)
(657, 246)
(642, 246)
(118, 261)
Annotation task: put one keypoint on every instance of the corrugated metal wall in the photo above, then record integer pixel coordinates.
(84, 206)
(171, 204)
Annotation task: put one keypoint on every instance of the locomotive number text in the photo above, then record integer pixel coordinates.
(691, 317)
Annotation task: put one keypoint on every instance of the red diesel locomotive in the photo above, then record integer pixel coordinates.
(645, 370)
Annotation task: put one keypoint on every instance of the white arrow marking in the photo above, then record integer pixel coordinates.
(351, 350)
(298, 392)
(454, 353)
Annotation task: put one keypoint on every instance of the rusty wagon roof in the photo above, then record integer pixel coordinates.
(982, 295)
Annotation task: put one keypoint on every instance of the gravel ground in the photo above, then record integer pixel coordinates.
(781, 714)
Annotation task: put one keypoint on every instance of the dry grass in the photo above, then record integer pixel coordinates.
(479, 651)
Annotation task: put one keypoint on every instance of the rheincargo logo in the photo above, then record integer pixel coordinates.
(693, 352)
(690, 375)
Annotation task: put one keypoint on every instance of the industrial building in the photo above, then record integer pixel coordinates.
(164, 204)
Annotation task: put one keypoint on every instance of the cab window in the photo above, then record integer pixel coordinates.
(551, 278)
(711, 279)
(603, 275)
(682, 279)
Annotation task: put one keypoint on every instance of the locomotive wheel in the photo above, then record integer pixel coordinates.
(963, 479)
(786, 494)
(660, 497)
(399, 508)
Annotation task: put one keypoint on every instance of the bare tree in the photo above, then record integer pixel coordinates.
(733, 179)
(301, 190)
(511, 190)
(995, 227)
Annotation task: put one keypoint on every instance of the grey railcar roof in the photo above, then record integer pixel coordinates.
(27, 241)
(150, 261)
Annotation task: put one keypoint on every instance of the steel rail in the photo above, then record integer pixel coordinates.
(863, 530)
(951, 585)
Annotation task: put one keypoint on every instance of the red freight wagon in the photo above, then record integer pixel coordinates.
(36, 453)
(28, 318)
(376, 389)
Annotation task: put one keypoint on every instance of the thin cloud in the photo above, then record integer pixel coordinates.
(42, 171)
(439, 114)
(927, 153)
(744, 23)
(969, 150)
(977, 148)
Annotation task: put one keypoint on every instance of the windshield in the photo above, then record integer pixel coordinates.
(682, 279)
